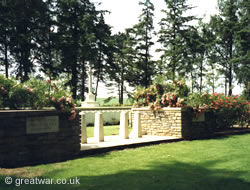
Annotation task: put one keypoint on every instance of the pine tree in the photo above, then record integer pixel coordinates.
(172, 37)
(143, 36)
(103, 50)
(242, 41)
(5, 32)
(123, 59)
(71, 21)
(224, 27)
(47, 38)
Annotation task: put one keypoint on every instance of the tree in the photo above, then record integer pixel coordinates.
(224, 27)
(143, 36)
(174, 27)
(195, 56)
(122, 69)
(103, 50)
(72, 18)
(26, 19)
(5, 32)
(47, 40)
(242, 41)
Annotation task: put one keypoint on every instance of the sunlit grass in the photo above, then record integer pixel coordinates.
(215, 164)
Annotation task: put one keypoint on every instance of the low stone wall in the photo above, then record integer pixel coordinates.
(176, 122)
(36, 137)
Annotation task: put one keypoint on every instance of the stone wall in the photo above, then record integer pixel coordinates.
(176, 122)
(35, 137)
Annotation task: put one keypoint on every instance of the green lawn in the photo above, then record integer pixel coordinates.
(108, 130)
(218, 164)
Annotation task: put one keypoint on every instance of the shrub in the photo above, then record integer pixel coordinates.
(35, 94)
(229, 110)
(20, 96)
(162, 95)
(5, 87)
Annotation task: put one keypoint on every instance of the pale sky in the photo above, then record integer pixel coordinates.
(125, 13)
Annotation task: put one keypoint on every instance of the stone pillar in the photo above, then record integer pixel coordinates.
(130, 119)
(137, 130)
(83, 128)
(124, 125)
(98, 129)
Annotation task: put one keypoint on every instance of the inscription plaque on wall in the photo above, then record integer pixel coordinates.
(36, 125)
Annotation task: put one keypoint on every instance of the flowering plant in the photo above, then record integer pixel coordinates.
(35, 94)
(229, 110)
(158, 95)
(60, 99)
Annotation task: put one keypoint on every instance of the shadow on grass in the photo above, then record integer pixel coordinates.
(157, 176)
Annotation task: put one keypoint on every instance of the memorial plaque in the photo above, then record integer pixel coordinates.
(36, 125)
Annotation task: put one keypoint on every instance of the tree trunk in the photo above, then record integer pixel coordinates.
(122, 87)
(230, 77)
(201, 79)
(83, 78)
(6, 63)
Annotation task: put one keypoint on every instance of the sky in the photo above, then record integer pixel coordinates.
(125, 13)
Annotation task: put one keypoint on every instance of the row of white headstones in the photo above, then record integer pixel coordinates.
(99, 130)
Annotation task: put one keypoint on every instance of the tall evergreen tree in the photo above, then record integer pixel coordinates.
(174, 28)
(47, 40)
(27, 20)
(195, 56)
(143, 35)
(242, 42)
(225, 26)
(103, 50)
(71, 31)
(5, 34)
(123, 59)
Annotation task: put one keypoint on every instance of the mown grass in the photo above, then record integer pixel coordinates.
(108, 130)
(217, 164)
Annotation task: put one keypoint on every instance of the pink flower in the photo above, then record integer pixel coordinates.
(30, 90)
(61, 99)
(69, 99)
